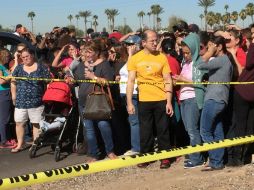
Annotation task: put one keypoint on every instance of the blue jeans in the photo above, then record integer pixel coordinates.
(190, 116)
(212, 129)
(134, 124)
(105, 129)
(5, 113)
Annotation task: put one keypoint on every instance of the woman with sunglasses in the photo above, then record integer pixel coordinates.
(101, 72)
(243, 113)
(17, 59)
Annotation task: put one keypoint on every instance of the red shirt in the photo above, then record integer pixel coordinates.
(175, 70)
(174, 65)
(241, 57)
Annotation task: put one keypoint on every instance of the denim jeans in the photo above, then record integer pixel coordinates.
(5, 113)
(212, 129)
(106, 133)
(134, 124)
(190, 116)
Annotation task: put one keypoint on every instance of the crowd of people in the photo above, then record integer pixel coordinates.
(150, 108)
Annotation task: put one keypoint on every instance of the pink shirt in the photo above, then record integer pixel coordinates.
(187, 91)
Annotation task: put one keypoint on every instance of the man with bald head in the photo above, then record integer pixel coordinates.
(151, 69)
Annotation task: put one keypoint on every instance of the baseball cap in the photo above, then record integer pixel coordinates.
(116, 35)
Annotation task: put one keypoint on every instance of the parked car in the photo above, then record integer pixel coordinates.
(10, 41)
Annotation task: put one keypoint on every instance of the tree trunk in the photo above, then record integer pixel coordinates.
(85, 27)
(113, 24)
(154, 22)
(142, 24)
(32, 22)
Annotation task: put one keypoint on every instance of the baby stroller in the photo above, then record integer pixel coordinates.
(60, 124)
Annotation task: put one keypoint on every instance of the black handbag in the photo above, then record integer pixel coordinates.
(99, 104)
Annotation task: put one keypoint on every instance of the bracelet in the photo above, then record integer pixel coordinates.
(168, 91)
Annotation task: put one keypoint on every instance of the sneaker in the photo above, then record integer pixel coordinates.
(165, 164)
(5, 145)
(11, 142)
(189, 165)
(130, 153)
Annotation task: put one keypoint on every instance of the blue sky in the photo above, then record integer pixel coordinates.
(50, 13)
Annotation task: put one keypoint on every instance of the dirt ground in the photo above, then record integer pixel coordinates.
(238, 178)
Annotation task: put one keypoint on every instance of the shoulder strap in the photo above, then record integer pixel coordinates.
(110, 97)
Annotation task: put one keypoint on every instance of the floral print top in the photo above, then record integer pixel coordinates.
(30, 92)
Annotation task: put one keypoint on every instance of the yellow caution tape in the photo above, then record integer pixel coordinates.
(84, 169)
(123, 82)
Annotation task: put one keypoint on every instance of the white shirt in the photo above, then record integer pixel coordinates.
(124, 77)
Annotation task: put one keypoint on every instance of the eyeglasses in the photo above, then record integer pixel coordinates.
(153, 41)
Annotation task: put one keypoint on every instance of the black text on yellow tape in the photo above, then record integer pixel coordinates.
(124, 82)
(84, 169)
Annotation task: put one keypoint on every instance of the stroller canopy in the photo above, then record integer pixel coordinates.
(59, 92)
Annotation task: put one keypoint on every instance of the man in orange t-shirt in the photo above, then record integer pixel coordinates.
(152, 72)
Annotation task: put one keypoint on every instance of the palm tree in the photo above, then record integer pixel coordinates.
(95, 23)
(112, 14)
(149, 17)
(201, 16)
(70, 17)
(225, 19)
(107, 12)
(141, 15)
(210, 17)
(85, 15)
(77, 17)
(226, 8)
(31, 15)
(250, 10)
(243, 15)
(156, 11)
(153, 13)
(217, 18)
(206, 4)
(234, 16)
(158, 20)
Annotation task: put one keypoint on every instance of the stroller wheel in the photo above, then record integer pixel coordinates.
(74, 148)
(32, 151)
(57, 154)
(82, 148)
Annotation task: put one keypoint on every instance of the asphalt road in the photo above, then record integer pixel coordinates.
(15, 164)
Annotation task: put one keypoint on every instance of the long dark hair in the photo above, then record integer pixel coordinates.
(219, 40)
(168, 47)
